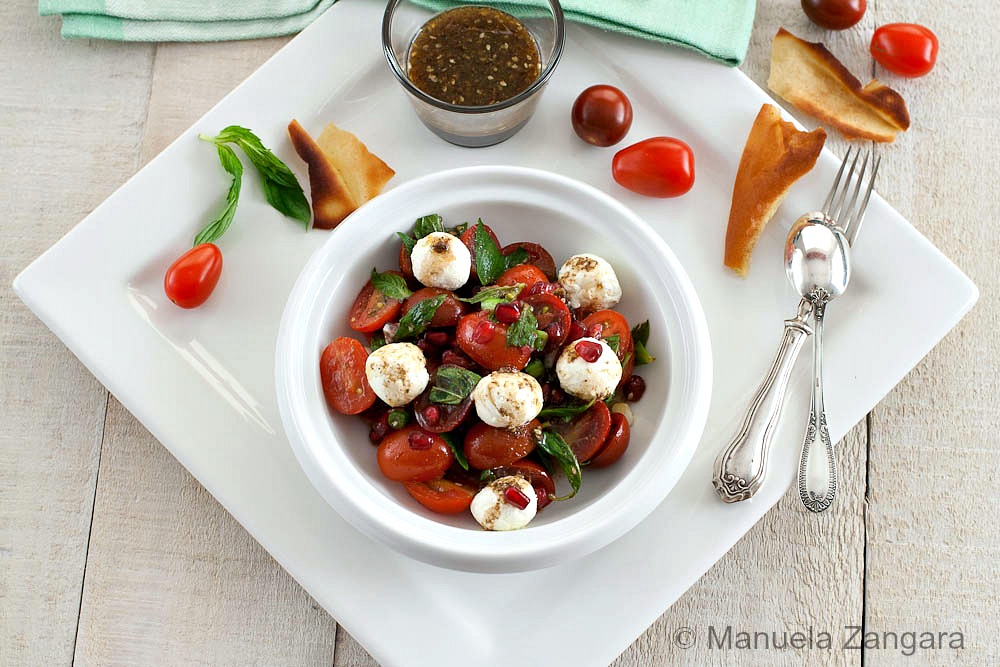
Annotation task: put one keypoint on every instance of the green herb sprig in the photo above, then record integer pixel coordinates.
(640, 336)
(418, 318)
(217, 227)
(452, 385)
(553, 444)
(391, 285)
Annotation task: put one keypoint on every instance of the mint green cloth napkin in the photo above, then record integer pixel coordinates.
(719, 29)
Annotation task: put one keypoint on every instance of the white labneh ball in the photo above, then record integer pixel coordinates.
(589, 380)
(441, 260)
(507, 399)
(397, 373)
(494, 512)
(590, 282)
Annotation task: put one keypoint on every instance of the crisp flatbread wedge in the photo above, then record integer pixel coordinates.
(775, 156)
(363, 172)
(811, 78)
(331, 199)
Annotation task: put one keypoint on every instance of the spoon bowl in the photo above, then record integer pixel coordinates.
(817, 260)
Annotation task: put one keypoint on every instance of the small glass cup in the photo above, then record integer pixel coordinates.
(473, 126)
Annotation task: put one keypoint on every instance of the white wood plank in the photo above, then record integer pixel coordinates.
(70, 121)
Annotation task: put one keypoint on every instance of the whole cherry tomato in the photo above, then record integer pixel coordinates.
(907, 49)
(602, 115)
(372, 309)
(411, 454)
(192, 277)
(834, 14)
(441, 496)
(342, 374)
(656, 167)
(488, 447)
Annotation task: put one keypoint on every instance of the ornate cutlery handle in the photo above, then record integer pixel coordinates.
(740, 468)
(817, 465)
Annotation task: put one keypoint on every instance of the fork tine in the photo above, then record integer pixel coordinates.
(836, 181)
(838, 207)
(846, 212)
(859, 215)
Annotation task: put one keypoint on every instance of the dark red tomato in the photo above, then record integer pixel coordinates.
(615, 445)
(553, 317)
(489, 447)
(414, 455)
(192, 277)
(405, 263)
(611, 323)
(834, 14)
(586, 433)
(602, 115)
(468, 237)
(447, 314)
(525, 274)
(486, 343)
(531, 471)
(441, 495)
(657, 167)
(907, 49)
(439, 417)
(372, 309)
(342, 373)
(537, 256)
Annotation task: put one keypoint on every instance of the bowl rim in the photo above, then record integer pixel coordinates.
(357, 499)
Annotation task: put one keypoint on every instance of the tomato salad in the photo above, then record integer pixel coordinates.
(487, 371)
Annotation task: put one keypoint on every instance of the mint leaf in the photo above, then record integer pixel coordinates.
(418, 318)
(566, 410)
(377, 341)
(408, 242)
(216, 228)
(553, 444)
(499, 293)
(457, 450)
(489, 260)
(614, 341)
(391, 285)
(518, 256)
(522, 332)
(428, 224)
(640, 336)
(452, 385)
(640, 333)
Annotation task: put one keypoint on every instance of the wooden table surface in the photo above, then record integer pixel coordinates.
(112, 554)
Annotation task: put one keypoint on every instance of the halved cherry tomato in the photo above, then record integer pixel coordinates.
(191, 278)
(447, 314)
(439, 417)
(372, 309)
(468, 237)
(907, 49)
(586, 433)
(488, 447)
(612, 323)
(441, 495)
(602, 115)
(535, 474)
(537, 256)
(486, 343)
(401, 461)
(342, 374)
(405, 263)
(553, 317)
(656, 167)
(834, 14)
(615, 445)
(525, 274)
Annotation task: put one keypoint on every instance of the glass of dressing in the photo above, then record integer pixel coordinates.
(473, 73)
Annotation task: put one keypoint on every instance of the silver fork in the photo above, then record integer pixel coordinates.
(817, 464)
(741, 466)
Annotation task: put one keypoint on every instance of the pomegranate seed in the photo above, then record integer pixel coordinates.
(596, 331)
(436, 338)
(456, 359)
(556, 396)
(589, 351)
(543, 497)
(507, 313)
(576, 332)
(516, 497)
(432, 415)
(379, 429)
(420, 441)
(635, 387)
(484, 333)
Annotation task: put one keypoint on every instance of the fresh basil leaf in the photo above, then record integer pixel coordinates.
(417, 318)
(553, 444)
(377, 341)
(499, 293)
(489, 260)
(518, 256)
(613, 342)
(457, 451)
(642, 356)
(522, 332)
(565, 410)
(216, 228)
(391, 285)
(428, 224)
(408, 242)
(452, 385)
(640, 333)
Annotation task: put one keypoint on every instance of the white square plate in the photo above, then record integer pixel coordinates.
(202, 381)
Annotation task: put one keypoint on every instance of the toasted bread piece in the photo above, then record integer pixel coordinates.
(363, 172)
(810, 77)
(775, 156)
(331, 199)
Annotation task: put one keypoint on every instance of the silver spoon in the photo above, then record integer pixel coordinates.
(817, 263)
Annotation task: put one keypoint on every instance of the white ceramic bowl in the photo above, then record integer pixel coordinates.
(566, 217)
